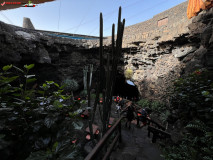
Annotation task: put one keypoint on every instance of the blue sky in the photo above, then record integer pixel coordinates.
(82, 16)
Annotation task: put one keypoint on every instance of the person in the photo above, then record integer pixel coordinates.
(121, 102)
(117, 99)
(145, 114)
(119, 105)
(130, 114)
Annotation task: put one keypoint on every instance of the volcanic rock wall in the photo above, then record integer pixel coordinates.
(158, 50)
(167, 46)
(55, 58)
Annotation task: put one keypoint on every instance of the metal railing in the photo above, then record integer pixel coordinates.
(97, 149)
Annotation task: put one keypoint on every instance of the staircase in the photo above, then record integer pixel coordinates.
(136, 146)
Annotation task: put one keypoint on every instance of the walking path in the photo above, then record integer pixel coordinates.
(136, 146)
(135, 142)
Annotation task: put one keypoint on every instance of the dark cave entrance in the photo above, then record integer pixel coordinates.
(125, 90)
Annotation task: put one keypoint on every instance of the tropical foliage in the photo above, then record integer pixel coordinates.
(193, 100)
(30, 115)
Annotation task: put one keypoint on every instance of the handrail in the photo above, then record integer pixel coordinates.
(101, 143)
(156, 123)
(156, 132)
(153, 129)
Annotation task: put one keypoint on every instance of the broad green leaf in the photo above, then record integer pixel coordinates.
(205, 93)
(27, 98)
(60, 91)
(209, 134)
(49, 82)
(28, 67)
(39, 155)
(9, 79)
(2, 136)
(6, 68)
(55, 145)
(63, 97)
(16, 94)
(31, 80)
(41, 92)
(56, 84)
(57, 104)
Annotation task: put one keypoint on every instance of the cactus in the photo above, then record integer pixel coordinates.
(85, 70)
(106, 85)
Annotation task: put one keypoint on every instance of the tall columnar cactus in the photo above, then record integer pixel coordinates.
(85, 70)
(106, 84)
(91, 70)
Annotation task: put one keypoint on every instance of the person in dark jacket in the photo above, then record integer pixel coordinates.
(130, 114)
(145, 113)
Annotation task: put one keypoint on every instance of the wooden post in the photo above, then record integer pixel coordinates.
(91, 131)
(119, 130)
(148, 133)
(154, 137)
(88, 89)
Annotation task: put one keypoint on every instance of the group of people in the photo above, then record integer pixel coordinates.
(132, 113)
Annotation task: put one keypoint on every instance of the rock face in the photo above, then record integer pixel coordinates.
(55, 58)
(156, 63)
(158, 50)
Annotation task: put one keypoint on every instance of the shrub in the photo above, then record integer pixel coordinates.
(193, 99)
(128, 74)
(144, 103)
(70, 85)
(93, 96)
(34, 117)
(83, 93)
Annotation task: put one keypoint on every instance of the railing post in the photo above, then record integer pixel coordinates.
(154, 137)
(148, 132)
(119, 130)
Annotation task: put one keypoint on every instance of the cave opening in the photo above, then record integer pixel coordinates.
(125, 88)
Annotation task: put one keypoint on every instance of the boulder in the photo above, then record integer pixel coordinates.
(183, 51)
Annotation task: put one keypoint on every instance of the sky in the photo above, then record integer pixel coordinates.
(82, 16)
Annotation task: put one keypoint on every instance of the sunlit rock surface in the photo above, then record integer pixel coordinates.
(158, 50)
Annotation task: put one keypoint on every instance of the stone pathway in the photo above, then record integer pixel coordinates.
(136, 146)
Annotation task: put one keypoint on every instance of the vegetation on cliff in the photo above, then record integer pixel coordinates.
(192, 105)
(189, 117)
(37, 121)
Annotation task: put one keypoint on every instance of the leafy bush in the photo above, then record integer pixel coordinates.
(128, 74)
(93, 96)
(193, 98)
(30, 115)
(144, 103)
(70, 85)
(83, 93)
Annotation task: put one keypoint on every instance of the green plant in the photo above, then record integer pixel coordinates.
(144, 103)
(70, 85)
(32, 113)
(128, 73)
(193, 99)
(193, 96)
(93, 96)
(83, 93)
